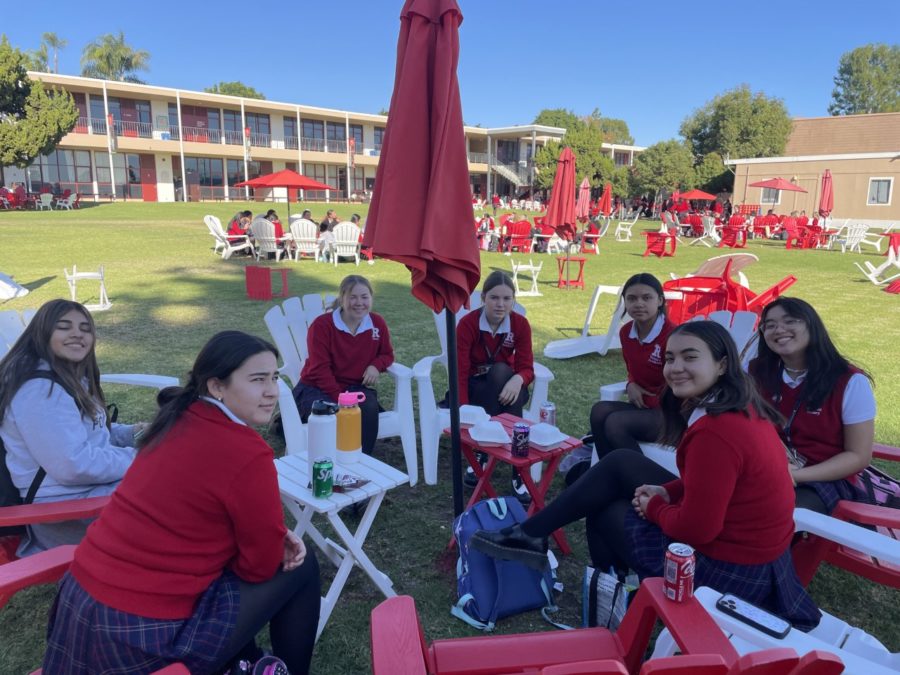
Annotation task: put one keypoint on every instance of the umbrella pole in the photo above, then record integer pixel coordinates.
(455, 442)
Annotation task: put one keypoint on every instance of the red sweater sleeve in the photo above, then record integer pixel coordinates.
(257, 520)
(385, 356)
(708, 475)
(466, 336)
(524, 356)
(319, 368)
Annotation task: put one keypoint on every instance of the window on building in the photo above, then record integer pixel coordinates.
(126, 171)
(142, 108)
(290, 127)
(880, 191)
(771, 196)
(335, 131)
(356, 133)
(235, 170)
(358, 180)
(231, 123)
(316, 172)
(258, 123)
(379, 137)
(62, 170)
(313, 128)
(212, 119)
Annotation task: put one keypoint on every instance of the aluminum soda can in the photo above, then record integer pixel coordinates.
(323, 478)
(520, 439)
(548, 413)
(678, 575)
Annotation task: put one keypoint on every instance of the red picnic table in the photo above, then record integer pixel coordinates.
(503, 453)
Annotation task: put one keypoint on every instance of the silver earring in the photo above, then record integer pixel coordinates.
(221, 399)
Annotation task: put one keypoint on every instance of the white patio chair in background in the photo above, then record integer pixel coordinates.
(263, 233)
(288, 324)
(305, 234)
(66, 203)
(346, 242)
(852, 237)
(710, 235)
(44, 201)
(586, 343)
(224, 243)
(433, 420)
(623, 229)
(532, 271)
(72, 279)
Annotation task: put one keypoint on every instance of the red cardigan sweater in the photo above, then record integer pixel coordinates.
(734, 501)
(645, 361)
(204, 500)
(338, 359)
(515, 349)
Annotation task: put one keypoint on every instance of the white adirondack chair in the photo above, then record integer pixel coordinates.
(263, 233)
(587, 343)
(66, 203)
(853, 236)
(873, 273)
(623, 229)
(741, 325)
(531, 271)
(433, 420)
(288, 324)
(346, 242)
(45, 201)
(223, 242)
(710, 235)
(72, 279)
(305, 234)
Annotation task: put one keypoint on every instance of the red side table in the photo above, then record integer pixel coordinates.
(259, 282)
(563, 280)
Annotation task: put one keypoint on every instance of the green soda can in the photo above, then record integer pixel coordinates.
(323, 478)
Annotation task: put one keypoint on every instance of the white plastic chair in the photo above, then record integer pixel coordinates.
(45, 201)
(66, 203)
(223, 242)
(288, 324)
(873, 273)
(433, 420)
(587, 343)
(346, 242)
(103, 304)
(623, 229)
(263, 233)
(853, 236)
(710, 235)
(305, 234)
(532, 271)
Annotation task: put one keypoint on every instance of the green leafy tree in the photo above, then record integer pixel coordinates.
(867, 81)
(612, 130)
(33, 119)
(739, 123)
(711, 174)
(54, 42)
(37, 59)
(235, 89)
(110, 58)
(666, 165)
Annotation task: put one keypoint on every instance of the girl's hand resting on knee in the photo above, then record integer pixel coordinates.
(644, 494)
(294, 552)
(370, 377)
(635, 394)
(510, 391)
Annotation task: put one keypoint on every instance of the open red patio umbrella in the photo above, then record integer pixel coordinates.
(561, 209)
(697, 194)
(287, 179)
(583, 205)
(778, 184)
(826, 202)
(421, 211)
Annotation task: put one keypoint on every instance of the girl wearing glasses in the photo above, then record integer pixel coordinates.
(827, 403)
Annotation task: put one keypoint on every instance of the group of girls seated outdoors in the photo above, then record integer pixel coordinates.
(200, 480)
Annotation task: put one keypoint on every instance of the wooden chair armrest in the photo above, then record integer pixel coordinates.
(397, 641)
(52, 512)
(40, 568)
(867, 514)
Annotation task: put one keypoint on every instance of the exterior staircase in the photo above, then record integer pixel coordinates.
(512, 173)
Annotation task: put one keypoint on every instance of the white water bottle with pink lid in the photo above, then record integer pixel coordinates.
(349, 427)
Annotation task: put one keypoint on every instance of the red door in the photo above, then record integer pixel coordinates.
(148, 178)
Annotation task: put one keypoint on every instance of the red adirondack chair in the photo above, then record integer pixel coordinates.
(661, 244)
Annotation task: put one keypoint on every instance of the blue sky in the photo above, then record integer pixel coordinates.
(650, 63)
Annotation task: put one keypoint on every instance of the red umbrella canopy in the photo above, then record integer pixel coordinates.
(421, 212)
(826, 203)
(778, 184)
(583, 205)
(286, 179)
(605, 204)
(561, 209)
(697, 194)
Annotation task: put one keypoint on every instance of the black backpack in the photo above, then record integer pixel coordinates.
(9, 493)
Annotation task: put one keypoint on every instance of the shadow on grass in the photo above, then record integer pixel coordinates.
(37, 283)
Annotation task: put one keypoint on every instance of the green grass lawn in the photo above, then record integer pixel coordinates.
(170, 293)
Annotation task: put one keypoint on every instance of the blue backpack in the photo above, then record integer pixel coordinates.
(490, 589)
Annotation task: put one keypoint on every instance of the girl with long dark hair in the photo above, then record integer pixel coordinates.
(826, 401)
(733, 501)
(191, 557)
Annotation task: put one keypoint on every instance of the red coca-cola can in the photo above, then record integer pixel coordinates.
(678, 574)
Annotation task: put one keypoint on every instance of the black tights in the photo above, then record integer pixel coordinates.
(617, 424)
(807, 498)
(602, 496)
(485, 390)
(289, 603)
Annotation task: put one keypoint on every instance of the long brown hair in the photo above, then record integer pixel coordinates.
(33, 346)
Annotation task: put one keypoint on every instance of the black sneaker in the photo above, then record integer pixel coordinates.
(519, 489)
(511, 543)
(470, 480)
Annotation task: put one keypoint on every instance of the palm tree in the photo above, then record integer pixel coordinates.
(54, 42)
(109, 58)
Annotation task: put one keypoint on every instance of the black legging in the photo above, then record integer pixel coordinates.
(807, 498)
(485, 390)
(602, 496)
(289, 603)
(305, 395)
(617, 424)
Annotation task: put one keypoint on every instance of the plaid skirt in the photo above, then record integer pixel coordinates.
(86, 637)
(833, 491)
(773, 586)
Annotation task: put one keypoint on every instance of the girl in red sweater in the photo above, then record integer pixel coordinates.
(621, 424)
(733, 501)
(191, 557)
(827, 401)
(349, 347)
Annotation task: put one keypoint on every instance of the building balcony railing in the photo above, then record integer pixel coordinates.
(202, 135)
(234, 137)
(291, 142)
(133, 129)
(478, 157)
(312, 144)
(98, 126)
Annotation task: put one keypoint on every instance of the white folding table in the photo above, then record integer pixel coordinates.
(293, 482)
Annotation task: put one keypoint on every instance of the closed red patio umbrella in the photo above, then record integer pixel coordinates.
(826, 201)
(561, 209)
(421, 213)
(287, 179)
(583, 205)
(606, 200)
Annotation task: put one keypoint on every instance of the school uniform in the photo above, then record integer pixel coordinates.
(645, 358)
